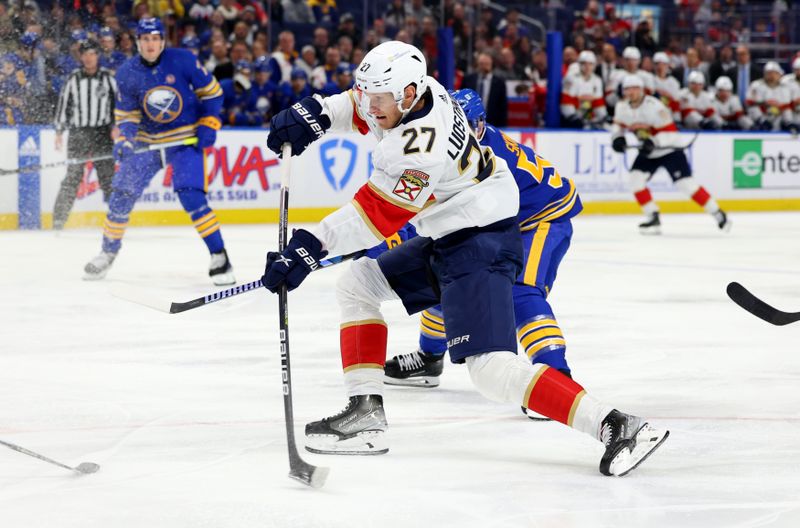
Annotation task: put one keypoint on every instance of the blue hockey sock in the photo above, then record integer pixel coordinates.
(432, 338)
(120, 206)
(205, 220)
(537, 329)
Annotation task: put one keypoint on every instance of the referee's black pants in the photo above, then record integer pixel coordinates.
(84, 143)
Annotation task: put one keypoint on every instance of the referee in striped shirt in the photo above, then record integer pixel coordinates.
(86, 109)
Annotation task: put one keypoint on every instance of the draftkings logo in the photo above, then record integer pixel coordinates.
(766, 164)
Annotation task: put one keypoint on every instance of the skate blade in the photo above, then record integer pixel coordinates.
(650, 231)
(94, 276)
(648, 439)
(727, 227)
(223, 279)
(425, 382)
(366, 443)
(536, 417)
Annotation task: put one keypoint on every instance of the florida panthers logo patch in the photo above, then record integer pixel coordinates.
(163, 104)
(410, 184)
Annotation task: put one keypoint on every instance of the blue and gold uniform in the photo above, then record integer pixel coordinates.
(171, 99)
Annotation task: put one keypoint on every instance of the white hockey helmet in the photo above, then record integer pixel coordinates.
(773, 66)
(796, 64)
(587, 56)
(660, 58)
(632, 81)
(697, 77)
(724, 83)
(631, 53)
(390, 67)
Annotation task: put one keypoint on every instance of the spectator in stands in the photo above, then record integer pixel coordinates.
(345, 44)
(427, 42)
(379, 27)
(219, 54)
(282, 59)
(395, 15)
(591, 15)
(692, 64)
(265, 91)
(242, 32)
(644, 38)
(321, 41)
(729, 107)
(491, 88)
(569, 58)
(325, 12)
(745, 72)
(507, 66)
(582, 102)
(769, 103)
(619, 29)
(697, 108)
(667, 87)
(323, 74)
(417, 9)
(792, 81)
(191, 43)
(12, 89)
(239, 52)
(536, 70)
(722, 66)
(126, 44)
(201, 12)
(30, 63)
(239, 104)
(160, 8)
(358, 55)
(297, 12)
(110, 57)
(608, 63)
(294, 90)
(342, 81)
(347, 26)
(307, 60)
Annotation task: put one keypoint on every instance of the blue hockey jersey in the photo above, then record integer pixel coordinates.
(544, 195)
(166, 102)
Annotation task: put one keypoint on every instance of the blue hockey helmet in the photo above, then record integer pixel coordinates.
(148, 26)
(471, 103)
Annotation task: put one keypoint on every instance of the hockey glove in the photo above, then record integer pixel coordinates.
(122, 149)
(207, 132)
(647, 146)
(292, 266)
(619, 144)
(708, 124)
(300, 125)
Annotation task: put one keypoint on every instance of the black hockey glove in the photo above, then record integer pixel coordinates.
(619, 144)
(300, 125)
(708, 124)
(647, 146)
(292, 266)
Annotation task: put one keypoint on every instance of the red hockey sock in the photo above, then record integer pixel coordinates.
(643, 196)
(363, 344)
(701, 196)
(554, 395)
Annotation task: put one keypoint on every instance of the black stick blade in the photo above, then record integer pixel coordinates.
(742, 296)
(309, 475)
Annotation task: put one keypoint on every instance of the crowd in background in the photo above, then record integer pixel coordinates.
(269, 54)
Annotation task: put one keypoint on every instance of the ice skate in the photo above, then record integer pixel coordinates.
(360, 429)
(536, 417)
(220, 269)
(651, 226)
(417, 369)
(629, 441)
(97, 268)
(722, 221)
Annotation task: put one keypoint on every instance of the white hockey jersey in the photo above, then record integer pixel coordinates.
(667, 90)
(429, 170)
(584, 97)
(613, 89)
(651, 119)
(773, 103)
(732, 112)
(791, 81)
(696, 108)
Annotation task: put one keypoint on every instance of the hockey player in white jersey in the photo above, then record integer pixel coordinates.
(429, 169)
(667, 87)
(660, 146)
(792, 81)
(769, 103)
(697, 108)
(729, 107)
(631, 59)
(582, 101)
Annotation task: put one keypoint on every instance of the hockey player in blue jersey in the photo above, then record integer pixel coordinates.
(239, 103)
(164, 96)
(547, 204)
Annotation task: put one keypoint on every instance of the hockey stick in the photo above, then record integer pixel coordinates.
(299, 469)
(84, 467)
(683, 147)
(81, 161)
(138, 296)
(741, 296)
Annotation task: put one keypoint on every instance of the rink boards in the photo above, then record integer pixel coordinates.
(744, 171)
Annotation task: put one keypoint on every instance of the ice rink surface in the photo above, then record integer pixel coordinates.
(185, 415)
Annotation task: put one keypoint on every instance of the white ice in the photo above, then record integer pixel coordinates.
(185, 412)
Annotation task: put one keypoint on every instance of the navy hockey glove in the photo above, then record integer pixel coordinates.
(207, 132)
(619, 144)
(647, 146)
(300, 125)
(122, 149)
(301, 257)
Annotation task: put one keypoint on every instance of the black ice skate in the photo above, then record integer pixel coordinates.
(360, 429)
(651, 226)
(536, 417)
(417, 369)
(220, 269)
(97, 268)
(722, 220)
(629, 441)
